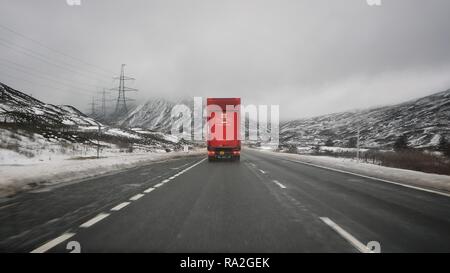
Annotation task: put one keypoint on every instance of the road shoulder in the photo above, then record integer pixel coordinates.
(413, 179)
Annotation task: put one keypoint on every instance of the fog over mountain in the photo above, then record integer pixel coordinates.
(424, 121)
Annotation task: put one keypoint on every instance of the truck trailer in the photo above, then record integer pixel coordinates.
(223, 132)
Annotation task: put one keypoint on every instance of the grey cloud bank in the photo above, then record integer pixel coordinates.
(311, 57)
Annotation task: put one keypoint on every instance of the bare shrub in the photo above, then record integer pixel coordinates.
(411, 159)
(417, 161)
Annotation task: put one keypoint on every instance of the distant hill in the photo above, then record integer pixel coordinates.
(17, 106)
(28, 125)
(424, 120)
(153, 114)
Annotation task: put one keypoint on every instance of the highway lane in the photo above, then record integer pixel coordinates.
(265, 203)
(401, 219)
(214, 207)
(33, 217)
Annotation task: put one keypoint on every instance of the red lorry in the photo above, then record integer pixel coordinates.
(223, 133)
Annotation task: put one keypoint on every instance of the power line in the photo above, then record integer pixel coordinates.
(26, 81)
(32, 71)
(74, 89)
(42, 73)
(55, 50)
(49, 79)
(45, 58)
(42, 58)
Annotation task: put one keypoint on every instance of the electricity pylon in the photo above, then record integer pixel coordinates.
(93, 104)
(121, 104)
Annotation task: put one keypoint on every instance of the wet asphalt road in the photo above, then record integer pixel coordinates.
(264, 203)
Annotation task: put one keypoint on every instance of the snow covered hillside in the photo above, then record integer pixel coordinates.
(33, 131)
(17, 107)
(154, 115)
(424, 120)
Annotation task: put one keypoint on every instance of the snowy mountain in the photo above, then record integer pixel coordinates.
(424, 120)
(153, 115)
(16, 106)
(32, 129)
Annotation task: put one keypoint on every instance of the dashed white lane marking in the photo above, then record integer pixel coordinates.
(94, 220)
(178, 174)
(120, 206)
(279, 184)
(262, 171)
(347, 236)
(136, 197)
(371, 177)
(51, 244)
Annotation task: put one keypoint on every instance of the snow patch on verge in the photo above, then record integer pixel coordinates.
(16, 178)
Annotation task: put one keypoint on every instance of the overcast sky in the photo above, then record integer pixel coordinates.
(311, 57)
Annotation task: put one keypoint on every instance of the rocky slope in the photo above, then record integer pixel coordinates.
(423, 120)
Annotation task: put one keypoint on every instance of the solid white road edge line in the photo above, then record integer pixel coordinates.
(347, 236)
(94, 220)
(120, 206)
(51, 244)
(371, 177)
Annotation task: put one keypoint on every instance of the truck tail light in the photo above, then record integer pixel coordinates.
(211, 153)
(236, 152)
